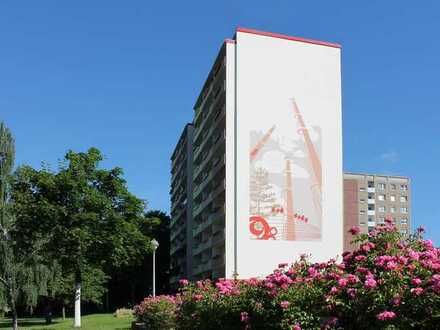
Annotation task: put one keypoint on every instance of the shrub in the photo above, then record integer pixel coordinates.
(389, 282)
(158, 313)
(123, 312)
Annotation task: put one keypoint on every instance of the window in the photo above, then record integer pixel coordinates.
(381, 186)
(381, 197)
(370, 195)
(393, 198)
(403, 199)
(382, 209)
(362, 200)
(362, 211)
(362, 223)
(393, 186)
(362, 189)
(404, 231)
(403, 210)
(403, 187)
(403, 221)
(370, 184)
(392, 209)
(370, 207)
(370, 219)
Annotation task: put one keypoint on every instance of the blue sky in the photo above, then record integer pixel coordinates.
(123, 76)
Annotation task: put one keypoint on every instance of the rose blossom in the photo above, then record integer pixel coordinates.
(370, 282)
(342, 282)
(386, 315)
(417, 291)
(354, 230)
(284, 304)
(416, 281)
(183, 282)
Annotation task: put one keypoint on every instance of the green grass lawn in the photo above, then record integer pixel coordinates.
(89, 322)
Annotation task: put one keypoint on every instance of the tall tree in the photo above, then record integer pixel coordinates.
(23, 276)
(129, 285)
(261, 192)
(90, 220)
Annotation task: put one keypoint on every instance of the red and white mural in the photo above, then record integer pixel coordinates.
(285, 184)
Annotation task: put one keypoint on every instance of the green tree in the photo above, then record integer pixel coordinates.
(129, 285)
(23, 275)
(90, 220)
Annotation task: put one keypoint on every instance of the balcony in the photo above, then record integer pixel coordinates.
(201, 206)
(218, 238)
(371, 189)
(201, 227)
(201, 268)
(371, 212)
(202, 247)
(371, 201)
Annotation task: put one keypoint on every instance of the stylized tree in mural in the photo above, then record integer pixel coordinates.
(261, 193)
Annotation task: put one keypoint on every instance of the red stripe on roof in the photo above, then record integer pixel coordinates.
(286, 37)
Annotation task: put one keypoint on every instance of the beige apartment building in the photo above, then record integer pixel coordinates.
(370, 198)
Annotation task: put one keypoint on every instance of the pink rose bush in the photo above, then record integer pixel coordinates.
(388, 282)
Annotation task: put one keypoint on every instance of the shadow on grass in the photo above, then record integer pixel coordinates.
(31, 322)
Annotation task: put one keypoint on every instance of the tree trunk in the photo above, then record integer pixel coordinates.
(77, 323)
(13, 309)
(63, 312)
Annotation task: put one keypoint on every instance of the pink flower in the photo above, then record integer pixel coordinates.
(352, 292)
(360, 258)
(244, 317)
(198, 297)
(370, 283)
(284, 304)
(396, 301)
(183, 282)
(354, 230)
(342, 282)
(352, 278)
(391, 265)
(296, 327)
(386, 315)
(417, 291)
(334, 290)
(416, 281)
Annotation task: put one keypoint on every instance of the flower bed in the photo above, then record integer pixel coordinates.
(387, 283)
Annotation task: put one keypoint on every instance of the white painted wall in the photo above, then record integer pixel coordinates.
(269, 72)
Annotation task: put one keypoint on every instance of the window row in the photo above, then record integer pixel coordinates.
(382, 186)
(383, 209)
(381, 220)
(382, 197)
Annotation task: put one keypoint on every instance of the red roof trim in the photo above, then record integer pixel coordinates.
(229, 41)
(286, 37)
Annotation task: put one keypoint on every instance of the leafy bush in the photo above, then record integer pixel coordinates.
(158, 313)
(389, 282)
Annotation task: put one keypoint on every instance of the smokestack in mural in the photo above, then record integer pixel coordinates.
(290, 218)
(314, 160)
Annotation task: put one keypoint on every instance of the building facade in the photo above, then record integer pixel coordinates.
(181, 235)
(369, 199)
(267, 158)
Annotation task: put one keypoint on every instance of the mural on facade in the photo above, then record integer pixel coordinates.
(285, 184)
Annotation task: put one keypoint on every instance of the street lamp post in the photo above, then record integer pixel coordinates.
(155, 245)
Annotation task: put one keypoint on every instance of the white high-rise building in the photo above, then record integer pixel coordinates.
(267, 157)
